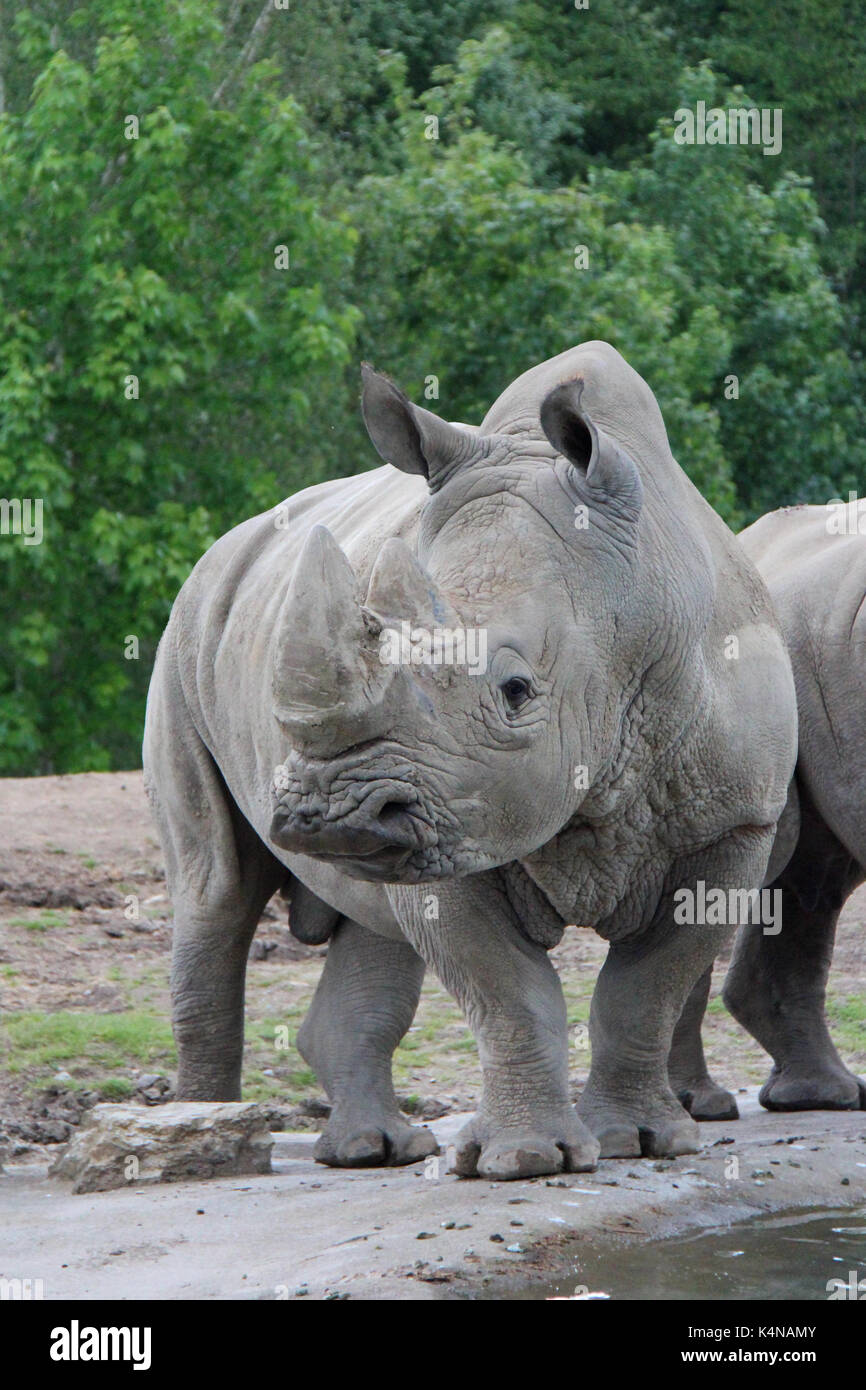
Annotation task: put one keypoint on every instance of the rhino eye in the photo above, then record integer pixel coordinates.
(516, 691)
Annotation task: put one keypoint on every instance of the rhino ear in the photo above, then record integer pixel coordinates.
(411, 438)
(598, 464)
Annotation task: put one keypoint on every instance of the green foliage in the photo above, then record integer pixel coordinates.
(151, 258)
(695, 273)
(813, 65)
(154, 259)
(751, 279)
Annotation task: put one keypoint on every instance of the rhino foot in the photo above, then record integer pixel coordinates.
(629, 1130)
(707, 1101)
(364, 1142)
(488, 1149)
(813, 1088)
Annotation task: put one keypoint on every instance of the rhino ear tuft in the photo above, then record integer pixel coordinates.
(409, 437)
(598, 463)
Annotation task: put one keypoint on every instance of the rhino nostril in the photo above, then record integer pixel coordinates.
(392, 811)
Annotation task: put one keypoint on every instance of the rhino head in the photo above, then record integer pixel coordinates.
(405, 767)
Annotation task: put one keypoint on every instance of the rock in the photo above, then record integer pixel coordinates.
(432, 1109)
(117, 1145)
(45, 1131)
(260, 950)
(148, 1079)
(154, 1089)
(425, 1109)
(315, 1108)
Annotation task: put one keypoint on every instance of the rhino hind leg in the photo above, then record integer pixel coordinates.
(364, 1003)
(220, 877)
(690, 1079)
(776, 985)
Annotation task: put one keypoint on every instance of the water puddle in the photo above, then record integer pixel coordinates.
(769, 1257)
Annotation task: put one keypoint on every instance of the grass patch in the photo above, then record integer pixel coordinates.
(30, 1042)
(846, 1015)
(115, 1088)
(43, 922)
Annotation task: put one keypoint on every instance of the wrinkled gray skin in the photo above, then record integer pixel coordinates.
(776, 984)
(609, 754)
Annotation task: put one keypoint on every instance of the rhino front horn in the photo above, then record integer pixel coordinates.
(322, 667)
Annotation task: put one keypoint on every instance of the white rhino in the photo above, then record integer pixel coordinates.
(813, 560)
(632, 732)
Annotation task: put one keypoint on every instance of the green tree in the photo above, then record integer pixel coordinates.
(812, 65)
(159, 374)
(754, 255)
(467, 273)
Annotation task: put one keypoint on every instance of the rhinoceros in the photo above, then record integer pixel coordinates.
(813, 561)
(520, 676)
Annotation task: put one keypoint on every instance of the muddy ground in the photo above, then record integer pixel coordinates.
(85, 940)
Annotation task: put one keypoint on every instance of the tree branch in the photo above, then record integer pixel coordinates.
(249, 52)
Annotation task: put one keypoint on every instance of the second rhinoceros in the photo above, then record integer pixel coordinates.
(520, 676)
(813, 560)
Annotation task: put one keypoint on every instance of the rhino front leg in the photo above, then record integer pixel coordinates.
(511, 996)
(364, 1003)
(642, 989)
(690, 1079)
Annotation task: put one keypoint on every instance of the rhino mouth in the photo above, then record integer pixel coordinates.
(386, 834)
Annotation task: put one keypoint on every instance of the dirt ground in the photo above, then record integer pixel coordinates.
(85, 937)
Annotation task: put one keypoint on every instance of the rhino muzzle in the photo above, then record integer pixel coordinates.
(385, 827)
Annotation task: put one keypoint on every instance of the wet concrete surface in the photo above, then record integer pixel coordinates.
(306, 1231)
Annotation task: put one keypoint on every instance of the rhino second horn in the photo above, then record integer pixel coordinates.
(320, 668)
(401, 591)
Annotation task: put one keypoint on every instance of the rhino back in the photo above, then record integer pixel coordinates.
(817, 580)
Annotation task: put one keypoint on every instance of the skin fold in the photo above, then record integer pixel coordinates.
(813, 560)
(631, 734)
